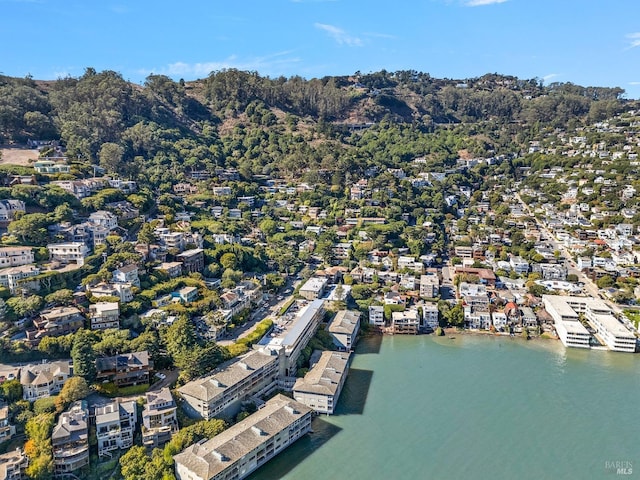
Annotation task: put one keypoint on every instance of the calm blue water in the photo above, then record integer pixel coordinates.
(474, 408)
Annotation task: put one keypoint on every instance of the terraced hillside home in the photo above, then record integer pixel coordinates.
(70, 440)
(115, 426)
(124, 370)
(159, 419)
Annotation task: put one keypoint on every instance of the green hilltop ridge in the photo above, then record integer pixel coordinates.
(287, 125)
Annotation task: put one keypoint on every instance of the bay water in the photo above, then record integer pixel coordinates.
(474, 407)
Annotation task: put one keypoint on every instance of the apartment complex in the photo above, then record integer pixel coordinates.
(376, 315)
(430, 316)
(222, 392)
(192, 260)
(344, 328)
(241, 449)
(296, 335)
(115, 425)
(429, 286)
(159, 419)
(70, 439)
(321, 386)
(566, 311)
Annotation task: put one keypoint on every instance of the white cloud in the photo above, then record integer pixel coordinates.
(634, 83)
(634, 39)
(273, 64)
(548, 77)
(340, 36)
(479, 3)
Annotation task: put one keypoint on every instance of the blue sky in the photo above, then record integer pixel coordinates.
(588, 42)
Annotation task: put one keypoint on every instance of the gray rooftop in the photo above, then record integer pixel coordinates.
(226, 376)
(209, 458)
(345, 322)
(324, 377)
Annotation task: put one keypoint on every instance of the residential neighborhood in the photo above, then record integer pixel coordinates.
(207, 317)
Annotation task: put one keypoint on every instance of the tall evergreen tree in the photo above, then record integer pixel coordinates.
(83, 356)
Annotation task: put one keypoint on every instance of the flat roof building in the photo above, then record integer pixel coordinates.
(313, 288)
(296, 336)
(565, 310)
(247, 445)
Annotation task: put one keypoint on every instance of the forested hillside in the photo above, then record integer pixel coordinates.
(289, 126)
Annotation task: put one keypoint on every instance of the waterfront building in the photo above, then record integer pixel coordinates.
(376, 315)
(607, 327)
(295, 336)
(430, 316)
(567, 322)
(159, 419)
(321, 386)
(242, 448)
(115, 425)
(406, 322)
(70, 440)
(344, 328)
(222, 392)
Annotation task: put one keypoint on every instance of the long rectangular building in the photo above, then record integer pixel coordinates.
(566, 310)
(566, 322)
(220, 393)
(321, 386)
(249, 444)
(296, 336)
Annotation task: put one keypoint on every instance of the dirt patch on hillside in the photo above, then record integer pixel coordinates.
(18, 156)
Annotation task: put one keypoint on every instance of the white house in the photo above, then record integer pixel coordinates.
(9, 208)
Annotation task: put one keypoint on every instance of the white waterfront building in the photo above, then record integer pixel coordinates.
(565, 311)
